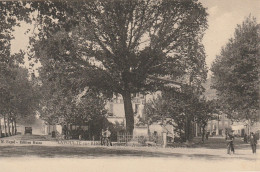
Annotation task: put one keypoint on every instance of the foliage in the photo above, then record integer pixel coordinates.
(116, 46)
(10, 13)
(236, 73)
(19, 101)
(60, 103)
(115, 129)
(16, 102)
(156, 109)
(24, 94)
(142, 140)
(99, 123)
(180, 106)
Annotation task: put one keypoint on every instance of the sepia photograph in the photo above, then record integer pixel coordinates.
(129, 85)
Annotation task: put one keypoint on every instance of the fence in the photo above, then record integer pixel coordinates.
(123, 137)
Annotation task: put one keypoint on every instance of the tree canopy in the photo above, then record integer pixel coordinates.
(236, 72)
(117, 45)
(17, 98)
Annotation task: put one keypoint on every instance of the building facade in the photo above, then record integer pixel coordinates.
(220, 125)
(116, 111)
(116, 114)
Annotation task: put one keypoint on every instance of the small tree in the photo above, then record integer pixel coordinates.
(179, 106)
(205, 110)
(170, 104)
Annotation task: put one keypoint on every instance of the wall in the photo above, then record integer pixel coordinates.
(140, 131)
(160, 129)
(218, 127)
(116, 109)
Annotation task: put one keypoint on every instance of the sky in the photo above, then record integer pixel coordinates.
(223, 18)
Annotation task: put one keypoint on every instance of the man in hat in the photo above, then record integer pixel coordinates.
(253, 142)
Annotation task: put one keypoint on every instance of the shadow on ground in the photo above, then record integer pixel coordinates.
(219, 143)
(96, 152)
(210, 150)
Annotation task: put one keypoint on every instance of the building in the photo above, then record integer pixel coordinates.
(219, 126)
(116, 114)
(116, 111)
(242, 128)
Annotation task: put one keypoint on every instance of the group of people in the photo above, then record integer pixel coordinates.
(230, 144)
(105, 137)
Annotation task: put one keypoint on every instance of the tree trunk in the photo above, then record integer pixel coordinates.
(188, 129)
(0, 127)
(196, 129)
(129, 114)
(181, 139)
(5, 126)
(15, 128)
(203, 133)
(89, 134)
(8, 126)
(12, 127)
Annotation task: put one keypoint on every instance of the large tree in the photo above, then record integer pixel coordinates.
(236, 73)
(121, 46)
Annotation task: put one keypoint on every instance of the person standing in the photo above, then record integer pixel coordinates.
(207, 135)
(230, 145)
(253, 142)
(226, 134)
(108, 135)
(64, 131)
(80, 133)
(245, 138)
(103, 135)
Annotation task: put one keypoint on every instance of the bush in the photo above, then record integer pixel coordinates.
(142, 140)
